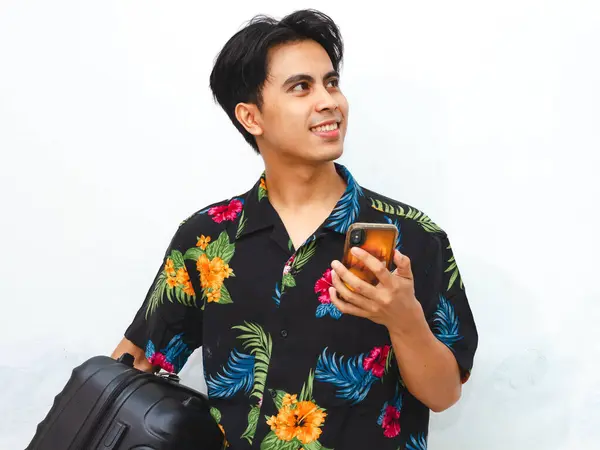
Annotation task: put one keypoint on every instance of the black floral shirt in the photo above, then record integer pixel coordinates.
(285, 369)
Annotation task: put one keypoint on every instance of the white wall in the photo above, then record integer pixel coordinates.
(484, 114)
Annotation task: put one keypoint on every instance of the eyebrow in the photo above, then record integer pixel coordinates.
(305, 77)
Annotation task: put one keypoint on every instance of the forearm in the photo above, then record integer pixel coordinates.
(140, 361)
(428, 367)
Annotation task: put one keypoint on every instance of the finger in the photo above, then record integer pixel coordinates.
(374, 265)
(348, 296)
(353, 282)
(403, 265)
(344, 307)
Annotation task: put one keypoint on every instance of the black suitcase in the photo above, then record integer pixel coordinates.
(109, 405)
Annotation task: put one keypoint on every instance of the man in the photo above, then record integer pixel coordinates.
(255, 280)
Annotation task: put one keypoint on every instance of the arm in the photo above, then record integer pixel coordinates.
(428, 367)
(140, 362)
(434, 361)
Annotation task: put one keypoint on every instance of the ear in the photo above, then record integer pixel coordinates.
(249, 116)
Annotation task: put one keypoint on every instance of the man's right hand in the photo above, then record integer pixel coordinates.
(140, 360)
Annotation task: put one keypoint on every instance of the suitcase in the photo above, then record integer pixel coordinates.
(110, 405)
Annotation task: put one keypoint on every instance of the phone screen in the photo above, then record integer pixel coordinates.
(377, 239)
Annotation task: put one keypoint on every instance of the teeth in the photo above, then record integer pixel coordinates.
(330, 127)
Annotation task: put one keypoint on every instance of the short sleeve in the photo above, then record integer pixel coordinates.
(168, 324)
(448, 311)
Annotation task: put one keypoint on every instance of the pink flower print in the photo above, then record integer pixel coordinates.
(158, 359)
(375, 362)
(226, 212)
(391, 422)
(288, 265)
(322, 287)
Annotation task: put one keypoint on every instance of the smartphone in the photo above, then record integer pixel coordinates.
(379, 239)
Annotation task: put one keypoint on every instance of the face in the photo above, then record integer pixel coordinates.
(304, 113)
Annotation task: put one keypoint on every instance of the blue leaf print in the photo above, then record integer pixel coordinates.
(399, 238)
(150, 349)
(417, 443)
(328, 308)
(349, 376)
(237, 375)
(446, 323)
(177, 352)
(347, 209)
(277, 296)
(172, 357)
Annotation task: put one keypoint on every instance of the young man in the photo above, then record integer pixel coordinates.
(256, 281)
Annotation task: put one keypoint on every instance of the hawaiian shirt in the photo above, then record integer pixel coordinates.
(285, 369)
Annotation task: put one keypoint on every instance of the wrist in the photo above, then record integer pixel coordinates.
(412, 325)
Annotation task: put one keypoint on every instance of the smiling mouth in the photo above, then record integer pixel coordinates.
(326, 128)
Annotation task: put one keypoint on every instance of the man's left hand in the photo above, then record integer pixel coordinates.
(391, 302)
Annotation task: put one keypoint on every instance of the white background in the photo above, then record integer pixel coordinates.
(483, 114)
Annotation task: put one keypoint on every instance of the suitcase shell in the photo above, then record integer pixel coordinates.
(109, 405)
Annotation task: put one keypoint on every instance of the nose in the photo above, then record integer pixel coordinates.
(325, 101)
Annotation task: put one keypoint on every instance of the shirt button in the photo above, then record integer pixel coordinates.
(284, 333)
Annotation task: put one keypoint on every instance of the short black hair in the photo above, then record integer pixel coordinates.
(240, 69)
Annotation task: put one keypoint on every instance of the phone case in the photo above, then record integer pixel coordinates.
(380, 241)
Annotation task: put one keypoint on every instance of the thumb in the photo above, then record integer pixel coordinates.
(403, 266)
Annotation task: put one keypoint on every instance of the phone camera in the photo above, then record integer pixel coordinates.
(357, 237)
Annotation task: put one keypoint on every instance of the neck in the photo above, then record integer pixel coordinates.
(300, 186)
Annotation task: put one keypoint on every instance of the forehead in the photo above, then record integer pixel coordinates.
(306, 57)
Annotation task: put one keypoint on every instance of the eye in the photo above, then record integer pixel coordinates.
(333, 83)
(300, 87)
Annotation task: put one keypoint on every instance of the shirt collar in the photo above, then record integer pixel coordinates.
(353, 206)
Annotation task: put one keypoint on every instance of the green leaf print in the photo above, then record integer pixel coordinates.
(260, 345)
(193, 253)
(272, 442)
(157, 295)
(388, 361)
(177, 258)
(278, 398)
(253, 416)
(221, 248)
(413, 214)
(314, 445)
(225, 296)
(304, 254)
(216, 414)
(307, 388)
(288, 280)
(455, 272)
(241, 225)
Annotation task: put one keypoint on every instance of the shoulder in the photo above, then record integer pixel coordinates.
(411, 218)
(421, 238)
(210, 220)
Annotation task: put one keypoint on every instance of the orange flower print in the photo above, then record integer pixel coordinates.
(263, 184)
(172, 282)
(188, 288)
(212, 273)
(170, 267)
(203, 242)
(182, 276)
(302, 420)
(310, 418)
(289, 400)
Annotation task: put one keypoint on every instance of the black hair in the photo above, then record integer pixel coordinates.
(240, 69)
